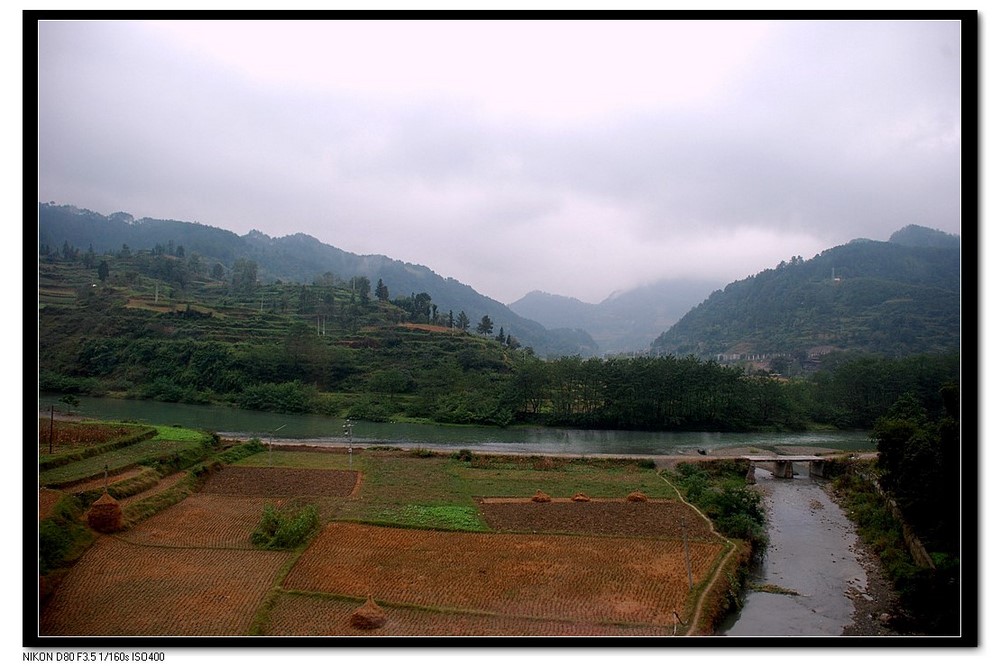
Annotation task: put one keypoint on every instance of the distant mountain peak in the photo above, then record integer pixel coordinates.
(925, 237)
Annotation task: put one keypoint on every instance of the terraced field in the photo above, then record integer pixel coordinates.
(601, 568)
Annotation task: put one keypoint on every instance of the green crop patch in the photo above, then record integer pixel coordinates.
(447, 517)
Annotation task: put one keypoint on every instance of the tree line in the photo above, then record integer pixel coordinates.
(329, 347)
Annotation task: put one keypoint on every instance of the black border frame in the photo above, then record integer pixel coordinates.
(970, 381)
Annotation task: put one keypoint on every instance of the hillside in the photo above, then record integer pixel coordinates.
(866, 296)
(297, 258)
(133, 331)
(624, 322)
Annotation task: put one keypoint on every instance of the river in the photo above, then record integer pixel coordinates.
(811, 540)
(810, 560)
(320, 429)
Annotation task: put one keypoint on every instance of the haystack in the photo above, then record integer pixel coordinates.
(541, 497)
(368, 616)
(105, 514)
(581, 497)
(636, 497)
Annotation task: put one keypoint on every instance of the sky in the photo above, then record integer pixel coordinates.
(573, 157)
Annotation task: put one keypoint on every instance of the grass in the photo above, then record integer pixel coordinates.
(444, 517)
(177, 434)
(307, 460)
(172, 448)
(440, 492)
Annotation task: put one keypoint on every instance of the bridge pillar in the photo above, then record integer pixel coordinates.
(816, 469)
(783, 469)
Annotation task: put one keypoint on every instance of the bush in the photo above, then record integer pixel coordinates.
(422, 453)
(368, 408)
(279, 531)
(720, 490)
(288, 397)
(243, 450)
(61, 537)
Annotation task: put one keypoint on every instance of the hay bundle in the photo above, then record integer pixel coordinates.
(636, 497)
(541, 497)
(581, 497)
(368, 616)
(105, 514)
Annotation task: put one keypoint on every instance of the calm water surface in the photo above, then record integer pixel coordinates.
(319, 429)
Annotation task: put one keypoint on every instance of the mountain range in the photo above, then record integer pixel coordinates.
(299, 258)
(625, 322)
(895, 298)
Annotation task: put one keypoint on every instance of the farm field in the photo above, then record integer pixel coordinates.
(120, 588)
(443, 546)
(552, 577)
(304, 615)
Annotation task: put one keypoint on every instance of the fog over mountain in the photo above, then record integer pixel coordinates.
(626, 321)
(593, 156)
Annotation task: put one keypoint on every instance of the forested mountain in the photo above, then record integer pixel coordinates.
(890, 298)
(153, 324)
(624, 322)
(297, 259)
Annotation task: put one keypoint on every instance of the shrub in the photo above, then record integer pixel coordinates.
(422, 453)
(368, 408)
(61, 537)
(242, 450)
(279, 531)
(289, 397)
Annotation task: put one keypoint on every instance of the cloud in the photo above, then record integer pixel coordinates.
(578, 158)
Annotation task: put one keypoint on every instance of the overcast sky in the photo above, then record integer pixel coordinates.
(574, 157)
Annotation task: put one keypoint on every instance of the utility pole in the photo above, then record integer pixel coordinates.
(349, 432)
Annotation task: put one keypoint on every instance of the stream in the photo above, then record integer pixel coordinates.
(809, 562)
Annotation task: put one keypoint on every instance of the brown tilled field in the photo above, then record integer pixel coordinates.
(203, 521)
(191, 569)
(553, 577)
(313, 615)
(657, 518)
(119, 588)
(282, 482)
(75, 434)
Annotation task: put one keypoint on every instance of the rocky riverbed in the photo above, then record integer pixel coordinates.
(816, 578)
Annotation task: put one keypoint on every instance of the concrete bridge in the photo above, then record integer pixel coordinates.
(782, 464)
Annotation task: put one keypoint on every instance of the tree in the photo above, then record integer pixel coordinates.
(244, 275)
(463, 321)
(381, 291)
(361, 286)
(485, 325)
(102, 270)
(218, 272)
(195, 265)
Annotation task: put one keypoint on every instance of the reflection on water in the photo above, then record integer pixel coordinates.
(322, 429)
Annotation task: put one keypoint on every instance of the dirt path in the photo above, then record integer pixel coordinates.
(696, 614)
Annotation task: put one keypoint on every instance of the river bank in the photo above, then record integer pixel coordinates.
(816, 577)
